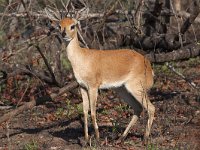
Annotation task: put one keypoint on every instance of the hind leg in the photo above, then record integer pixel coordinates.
(131, 101)
(140, 94)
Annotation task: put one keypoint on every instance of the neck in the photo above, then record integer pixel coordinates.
(75, 53)
(73, 44)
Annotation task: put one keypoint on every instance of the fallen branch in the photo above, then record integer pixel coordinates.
(34, 102)
(18, 110)
(64, 89)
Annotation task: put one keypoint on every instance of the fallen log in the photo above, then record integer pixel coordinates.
(182, 53)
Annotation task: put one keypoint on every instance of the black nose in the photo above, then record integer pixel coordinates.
(64, 33)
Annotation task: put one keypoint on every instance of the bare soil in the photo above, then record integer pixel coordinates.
(59, 126)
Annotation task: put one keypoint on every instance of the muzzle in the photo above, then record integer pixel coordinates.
(65, 37)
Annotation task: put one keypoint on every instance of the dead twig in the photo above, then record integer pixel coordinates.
(25, 91)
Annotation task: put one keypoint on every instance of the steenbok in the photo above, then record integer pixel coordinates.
(126, 70)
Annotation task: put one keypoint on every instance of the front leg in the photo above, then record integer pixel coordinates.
(85, 111)
(93, 99)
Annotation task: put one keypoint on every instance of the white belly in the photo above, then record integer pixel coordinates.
(111, 85)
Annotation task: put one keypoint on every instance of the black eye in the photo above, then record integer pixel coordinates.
(72, 27)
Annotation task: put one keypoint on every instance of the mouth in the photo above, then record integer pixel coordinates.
(67, 39)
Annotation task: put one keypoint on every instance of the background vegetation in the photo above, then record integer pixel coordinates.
(40, 105)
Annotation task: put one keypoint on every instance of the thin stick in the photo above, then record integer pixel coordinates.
(192, 84)
(47, 65)
(28, 85)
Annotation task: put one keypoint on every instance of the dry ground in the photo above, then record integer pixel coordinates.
(58, 126)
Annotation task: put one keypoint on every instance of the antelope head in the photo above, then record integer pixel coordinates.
(68, 28)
